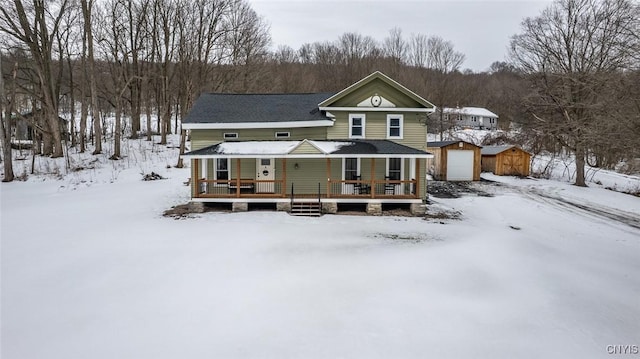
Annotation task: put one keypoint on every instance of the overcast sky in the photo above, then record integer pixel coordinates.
(479, 29)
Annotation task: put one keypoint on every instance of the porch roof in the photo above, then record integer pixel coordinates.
(324, 148)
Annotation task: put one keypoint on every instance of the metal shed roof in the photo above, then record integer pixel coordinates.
(447, 143)
(494, 150)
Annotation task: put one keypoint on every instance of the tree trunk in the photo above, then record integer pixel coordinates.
(5, 128)
(118, 130)
(84, 110)
(580, 163)
(149, 138)
(97, 130)
(183, 140)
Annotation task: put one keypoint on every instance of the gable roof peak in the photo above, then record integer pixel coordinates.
(371, 77)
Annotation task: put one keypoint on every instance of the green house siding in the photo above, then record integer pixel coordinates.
(204, 138)
(377, 86)
(307, 149)
(414, 132)
(306, 177)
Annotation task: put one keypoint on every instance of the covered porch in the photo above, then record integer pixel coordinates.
(288, 182)
(308, 170)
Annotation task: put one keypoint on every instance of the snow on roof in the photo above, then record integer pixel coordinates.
(472, 111)
(256, 147)
(274, 147)
(284, 148)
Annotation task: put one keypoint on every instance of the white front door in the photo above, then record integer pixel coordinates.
(266, 171)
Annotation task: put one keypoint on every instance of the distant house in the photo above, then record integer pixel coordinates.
(471, 117)
(30, 125)
(507, 160)
(454, 161)
(311, 152)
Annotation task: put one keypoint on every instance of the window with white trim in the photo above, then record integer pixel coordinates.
(357, 125)
(222, 169)
(394, 126)
(394, 169)
(230, 135)
(283, 134)
(351, 169)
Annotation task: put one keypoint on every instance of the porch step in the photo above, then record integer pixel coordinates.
(311, 209)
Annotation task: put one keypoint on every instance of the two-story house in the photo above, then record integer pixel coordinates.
(365, 144)
(471, 117)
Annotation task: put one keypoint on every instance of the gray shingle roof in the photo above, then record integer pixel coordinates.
(494, 150)
(236, 108)
(440, 143)
(446, 143)
(377, 147)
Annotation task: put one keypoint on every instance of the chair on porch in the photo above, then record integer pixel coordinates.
(357, 187)
(389, 188)
(361, 188)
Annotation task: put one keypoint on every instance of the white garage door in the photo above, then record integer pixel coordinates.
(459, 165)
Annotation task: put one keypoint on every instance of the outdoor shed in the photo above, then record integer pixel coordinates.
(454, 161)
(506, 160)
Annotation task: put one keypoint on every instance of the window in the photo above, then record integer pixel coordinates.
(394, 126)
(230, 135)
(356, 126)
(283, 134)
(351, 169)
(222, 169)
(395, 169)
(474, 118)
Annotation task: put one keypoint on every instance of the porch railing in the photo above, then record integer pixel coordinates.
(374, 188)
(239, 188)
(249, 188)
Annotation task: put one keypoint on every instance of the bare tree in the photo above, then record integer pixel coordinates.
(87, 8)
(444, 60)
(355, 49)
(5, 128)
(36, 27)
(395, 48)
(570, 52)
(418, 50)
(246, 42)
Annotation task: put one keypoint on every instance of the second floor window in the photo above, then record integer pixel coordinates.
(394, 126)
(356, 126)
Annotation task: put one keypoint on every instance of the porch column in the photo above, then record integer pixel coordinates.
(373, 178)
(195, 176)
(238, 172)
(417, 188)
(328, 177)
(284, 177)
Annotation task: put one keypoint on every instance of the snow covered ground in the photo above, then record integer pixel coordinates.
(90, 269)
